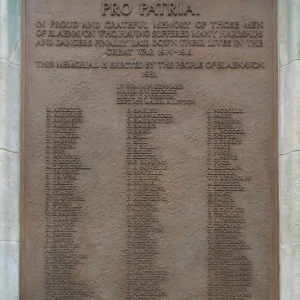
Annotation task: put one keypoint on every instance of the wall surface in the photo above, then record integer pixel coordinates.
(9, 148)
(289, 148)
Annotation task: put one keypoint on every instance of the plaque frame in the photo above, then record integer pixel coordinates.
(24, 152)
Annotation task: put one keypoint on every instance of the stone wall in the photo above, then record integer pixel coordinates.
(9, 148)
(289, 147)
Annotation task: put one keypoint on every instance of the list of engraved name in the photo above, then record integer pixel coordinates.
(146, 49)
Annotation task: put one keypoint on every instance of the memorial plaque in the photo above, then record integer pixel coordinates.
(149, 150)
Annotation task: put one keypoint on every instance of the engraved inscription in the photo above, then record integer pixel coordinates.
(145, 189)
(63, 205)
(168, 44)
(229, 268)
(149, 146)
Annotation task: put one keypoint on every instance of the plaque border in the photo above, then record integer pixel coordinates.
(275, 160)
(23, 151)
(273, 154)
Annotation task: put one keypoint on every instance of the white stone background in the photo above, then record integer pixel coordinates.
(289, 147)
(9, 148)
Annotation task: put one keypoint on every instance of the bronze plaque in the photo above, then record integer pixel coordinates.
(149, 158)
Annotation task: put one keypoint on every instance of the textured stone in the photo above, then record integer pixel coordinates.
(9, 195)
(289, 148)
(289, 108)
(288, 30)
(290, 226)
(9, 270)
(9, 148)
(9, 106)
